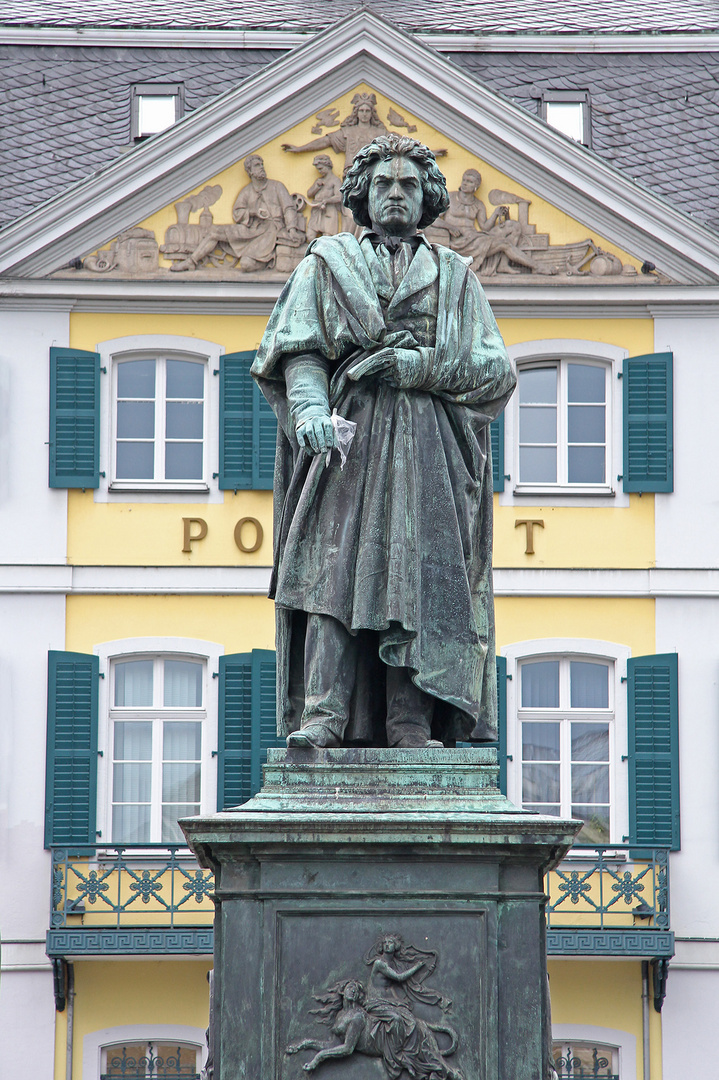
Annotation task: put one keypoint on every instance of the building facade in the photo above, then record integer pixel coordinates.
(137, 663)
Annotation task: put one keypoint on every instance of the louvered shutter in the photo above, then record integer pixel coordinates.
(496, 432)
(247, 724)
(648, 423)
(74, 418)
(653, 709)
(248, 428)
(71, 767)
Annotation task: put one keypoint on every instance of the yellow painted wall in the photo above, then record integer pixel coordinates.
(629, 622)
(297, 173)
(112, 993)
(240, 623)
(605, 994)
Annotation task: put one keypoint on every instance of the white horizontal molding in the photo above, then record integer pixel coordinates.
(517, 42)
(361, 48)
(255, 580)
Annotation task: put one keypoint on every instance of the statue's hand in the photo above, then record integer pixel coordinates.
(399, 367)
(289, 148)
(317, 435)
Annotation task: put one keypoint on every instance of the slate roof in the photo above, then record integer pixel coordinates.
(467, 16)
(67, 110)
(655, 116)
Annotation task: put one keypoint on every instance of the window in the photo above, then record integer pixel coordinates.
(564, 424)
(566, 736)
(155, 107)
(157, 713)
(159, 422)
(579, 1060)
(151, 1061)
(568, 111)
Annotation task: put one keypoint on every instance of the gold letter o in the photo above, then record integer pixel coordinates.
(259, 535)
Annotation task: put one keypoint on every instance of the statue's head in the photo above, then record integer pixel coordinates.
(364, 111)
(323, 163)
(353, 991)
(255, 167)
(471, 180)
(394, 184)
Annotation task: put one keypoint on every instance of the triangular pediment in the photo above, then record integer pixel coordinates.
(155, 212)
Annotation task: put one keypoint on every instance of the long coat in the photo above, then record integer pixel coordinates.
(399, 541)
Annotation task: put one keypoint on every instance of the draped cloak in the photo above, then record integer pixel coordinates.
(399, 541)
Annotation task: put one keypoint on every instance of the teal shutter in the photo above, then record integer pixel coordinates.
(496, 432)
(653, 700)
(648, 423)
(248, 428)
(71, 767)
(74, 418)
(247, 724)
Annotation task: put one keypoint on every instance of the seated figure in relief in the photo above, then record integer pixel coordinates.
(265, 215)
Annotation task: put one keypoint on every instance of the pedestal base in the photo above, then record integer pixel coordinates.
(380, 916)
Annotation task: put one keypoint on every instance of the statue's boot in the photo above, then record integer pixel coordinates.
(314, 736)
(418, 742)
(409, 713)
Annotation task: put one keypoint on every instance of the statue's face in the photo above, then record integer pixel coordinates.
(470, 182)
(396, 196)
(364, 114)
(257, 169)
(351, 991)
(389, 945)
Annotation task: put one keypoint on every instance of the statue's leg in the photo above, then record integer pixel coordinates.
(330, 674)
(409, 712)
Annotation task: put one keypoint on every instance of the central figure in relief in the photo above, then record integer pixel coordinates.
(382, 573)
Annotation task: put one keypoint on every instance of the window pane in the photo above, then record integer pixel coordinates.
(596, 828)
(131, 824)
(586, 424)
(133, 683)
(540, 684)
(537, 424)
(181, 782)
(171, 831)
(540, 783)
(567, 117)
(136, 379)
(183, 461)
(540, 742)
(586, 464)
(182, 740)
(590, 742)
(538, 464)
(157, 112)
(183, 684)
(185, 379)
(135, 461)
(538, 385)
(135, 419)
(551, 810)
(133, 740)
(184, 420)
(589, 685)
(586, 382)
(132, 782)
(590, 783)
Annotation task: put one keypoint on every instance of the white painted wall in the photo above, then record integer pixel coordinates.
(691, 628)
(689, 1019)
(34, 516)
(686, 519)
(29, 626)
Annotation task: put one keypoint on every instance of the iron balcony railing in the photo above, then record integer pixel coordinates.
(605, 888)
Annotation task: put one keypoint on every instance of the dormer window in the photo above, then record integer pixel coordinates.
(568, 111)
(155, 107)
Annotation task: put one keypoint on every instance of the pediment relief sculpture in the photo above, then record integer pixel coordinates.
(271, 225)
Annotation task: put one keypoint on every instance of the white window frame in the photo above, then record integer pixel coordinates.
(104, 1039)
(546, 351)
(581, 98)
(209, 653)
(622, 1041)
(587, 649)
(153, 346)
(140, 90)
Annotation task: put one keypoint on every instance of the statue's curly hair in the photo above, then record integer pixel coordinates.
(355, 186)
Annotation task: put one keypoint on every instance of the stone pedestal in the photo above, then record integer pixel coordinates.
(401, 879)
